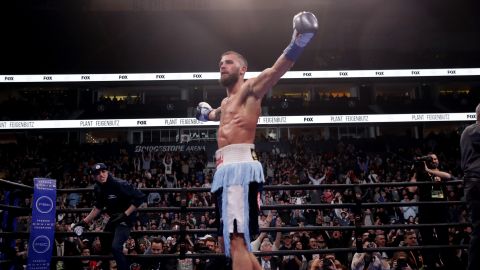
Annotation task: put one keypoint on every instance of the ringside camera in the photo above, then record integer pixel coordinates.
(419, 163)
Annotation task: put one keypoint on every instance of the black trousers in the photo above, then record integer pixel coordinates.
(434, 235)
(472, 194)
(114, 243)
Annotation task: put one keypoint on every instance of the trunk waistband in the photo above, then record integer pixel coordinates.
(235, 153)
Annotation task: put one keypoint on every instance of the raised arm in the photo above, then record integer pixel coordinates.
(311, 178)
(206, 113)
(305, 26)
(441, 174)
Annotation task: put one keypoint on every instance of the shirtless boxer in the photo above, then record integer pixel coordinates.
(239, 175)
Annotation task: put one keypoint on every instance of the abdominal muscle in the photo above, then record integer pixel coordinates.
(236, 128)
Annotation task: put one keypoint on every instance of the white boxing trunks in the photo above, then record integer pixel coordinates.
(237, 183)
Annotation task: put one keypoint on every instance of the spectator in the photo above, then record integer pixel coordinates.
(368, 259)
(268, 262)
(414, 257)
(409, 210)
(215, 263)
(380, 241)
(88, 264)
(156, 248)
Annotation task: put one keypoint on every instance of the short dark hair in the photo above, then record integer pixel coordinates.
(243, 59)
(210, 239)
(158, 240)
(409, 233)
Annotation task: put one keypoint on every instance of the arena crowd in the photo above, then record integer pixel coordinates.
(349, 161)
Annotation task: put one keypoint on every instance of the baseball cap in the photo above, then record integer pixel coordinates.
(98, 167)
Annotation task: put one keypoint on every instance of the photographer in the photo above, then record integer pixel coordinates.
(426, 170)
(400, 261)
(369, 260)
(323, 264)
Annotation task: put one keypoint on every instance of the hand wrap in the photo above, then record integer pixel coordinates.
(305, 25)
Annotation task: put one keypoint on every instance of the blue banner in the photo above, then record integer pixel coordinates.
(42, 230)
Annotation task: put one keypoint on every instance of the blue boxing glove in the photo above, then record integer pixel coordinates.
(203, 110)
(305, 25)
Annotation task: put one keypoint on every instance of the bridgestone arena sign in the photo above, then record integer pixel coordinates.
(169, 148)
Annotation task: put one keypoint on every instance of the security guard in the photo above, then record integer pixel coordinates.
(119, 200)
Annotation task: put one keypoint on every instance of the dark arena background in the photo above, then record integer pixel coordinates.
(117, 82)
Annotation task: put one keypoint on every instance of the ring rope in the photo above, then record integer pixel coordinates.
(183, 209)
